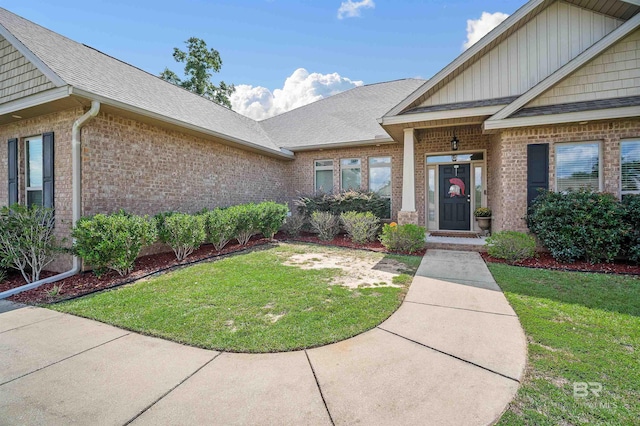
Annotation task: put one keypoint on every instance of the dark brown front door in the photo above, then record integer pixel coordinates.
(455, 199)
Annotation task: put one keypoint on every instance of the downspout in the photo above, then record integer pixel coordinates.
(76, 203)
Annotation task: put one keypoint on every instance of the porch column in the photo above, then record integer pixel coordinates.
(408, 214)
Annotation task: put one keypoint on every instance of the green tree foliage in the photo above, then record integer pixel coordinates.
(200, 63)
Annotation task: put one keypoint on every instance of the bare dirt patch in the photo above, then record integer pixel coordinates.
(368, 270)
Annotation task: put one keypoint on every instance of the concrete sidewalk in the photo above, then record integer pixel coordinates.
(452, 354)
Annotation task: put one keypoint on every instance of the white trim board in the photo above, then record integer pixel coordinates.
(35, 100)
(441, 115)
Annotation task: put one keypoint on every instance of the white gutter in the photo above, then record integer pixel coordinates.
(76, 185)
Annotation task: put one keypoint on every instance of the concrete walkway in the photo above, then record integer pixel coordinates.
(452, 354)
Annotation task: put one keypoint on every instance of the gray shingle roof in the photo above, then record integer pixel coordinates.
(93, 71)
(578, 106)
(349, 116)
(460, 105)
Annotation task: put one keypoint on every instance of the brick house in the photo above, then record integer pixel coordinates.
(549, 99)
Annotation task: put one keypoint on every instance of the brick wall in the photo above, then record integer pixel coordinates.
(511, 186)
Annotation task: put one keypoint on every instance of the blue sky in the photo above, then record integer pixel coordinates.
(263, 42)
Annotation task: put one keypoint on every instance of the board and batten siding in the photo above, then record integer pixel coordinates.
(613, 74)
(551, 39)
(18, 76)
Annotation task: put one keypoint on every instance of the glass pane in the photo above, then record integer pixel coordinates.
(353, 162)
(478, 183)
(432, 196)
(454, 158)
(376, 161)
(324, 163)
(34, 198)
(350, 178)
(380, 180)
(324, 180)
(34, 162)
(630, 167)
(577, 166)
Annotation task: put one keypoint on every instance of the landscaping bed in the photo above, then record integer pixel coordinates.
(546, 261)
(280, 298)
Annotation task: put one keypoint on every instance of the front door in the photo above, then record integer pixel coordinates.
(455, 199)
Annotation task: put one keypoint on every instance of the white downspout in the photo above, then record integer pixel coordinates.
(76, 203)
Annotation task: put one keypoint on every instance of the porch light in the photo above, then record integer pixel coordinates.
(454, 143)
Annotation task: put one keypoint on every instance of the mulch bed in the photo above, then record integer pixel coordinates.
(86, 282)
(545, 261)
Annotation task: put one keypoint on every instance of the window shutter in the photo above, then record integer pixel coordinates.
(13, 171)
(537, 170)
(47, 170)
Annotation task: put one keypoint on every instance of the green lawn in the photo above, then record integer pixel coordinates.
(581, 328)
(255, 302)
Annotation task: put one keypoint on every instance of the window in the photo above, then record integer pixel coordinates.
(630, 167)
(324, 175)
(350, 176)
(578, 166)
(477, 180)
(380, 180)
(33, 170)
(431, 198)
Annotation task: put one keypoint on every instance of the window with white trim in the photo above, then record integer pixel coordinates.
(380, 180)
(324, 176)
(578, 166)
(33, 170)
(350, 173)
(629, 167)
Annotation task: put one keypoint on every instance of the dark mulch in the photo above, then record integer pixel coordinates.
(86, 282)
(545, 261)
(340, 241)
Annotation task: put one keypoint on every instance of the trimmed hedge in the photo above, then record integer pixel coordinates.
(406, 238)
(342, 202)
(631, 216)
(511, 245)
(220, 228)
(271, 217)
(184, 233)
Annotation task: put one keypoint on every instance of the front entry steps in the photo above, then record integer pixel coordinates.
(463, 241)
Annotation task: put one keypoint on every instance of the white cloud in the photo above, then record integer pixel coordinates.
(478, 28)
(299, 89)
(352, 9)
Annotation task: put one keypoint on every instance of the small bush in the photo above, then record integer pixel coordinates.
(631, 217)
(27, 242)
(271, 217)
(342, 202)
(325, 224)
(511, 245)
(578, 225)
(404, 238)
(113, 241)
(360, 227)
(482, 212)
(246, 221)
(220, 227)
(293, 225)
(184, 233)
(159, 220)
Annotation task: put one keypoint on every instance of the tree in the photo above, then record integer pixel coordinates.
(200, 65)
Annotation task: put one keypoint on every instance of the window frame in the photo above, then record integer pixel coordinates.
(349, 167)
(317, 168)
(27, 180)
(623, 192)
(555, 161)
(388, 165)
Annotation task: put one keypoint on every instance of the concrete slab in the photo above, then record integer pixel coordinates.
(496, 342)
(457, 295)
(377, 378)
(34, 346)
(457, 266)
(244, 389)
(104, 386)
(13, 318)
(6, 306)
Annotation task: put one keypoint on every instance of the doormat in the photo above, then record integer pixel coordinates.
(454, 234)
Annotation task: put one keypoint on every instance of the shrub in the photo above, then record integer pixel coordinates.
(160, 219)
(360, 227)
(293, 225)
(246, 220)
(631, 217)
(578, 225)
(113, 241)
(404, 238)
(184, 233)
(325, 224)
(271, 217)
(342, 202)
(3, 274)
(220, 227)
(511, 245)
(27, 242)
